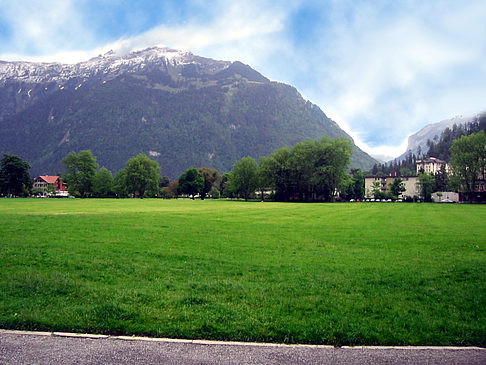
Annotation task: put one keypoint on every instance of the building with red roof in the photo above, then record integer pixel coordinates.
(42, 184)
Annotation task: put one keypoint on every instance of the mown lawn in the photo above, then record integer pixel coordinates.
(363, 273)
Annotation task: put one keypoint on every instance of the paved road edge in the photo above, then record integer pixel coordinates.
(225, 343)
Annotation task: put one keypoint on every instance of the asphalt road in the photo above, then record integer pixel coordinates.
(48, 348)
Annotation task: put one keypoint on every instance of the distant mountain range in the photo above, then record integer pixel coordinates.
(417, 142)
(180, 109)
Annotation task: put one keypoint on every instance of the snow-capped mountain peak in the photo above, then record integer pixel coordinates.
(108, 64)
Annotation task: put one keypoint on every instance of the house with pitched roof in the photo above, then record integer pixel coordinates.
(50, 185)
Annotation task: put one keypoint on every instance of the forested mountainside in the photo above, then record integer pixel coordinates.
(418, 142)
(180, 109)
(440, 146)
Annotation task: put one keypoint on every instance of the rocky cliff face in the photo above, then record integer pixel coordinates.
(181, 109)
(417, 142)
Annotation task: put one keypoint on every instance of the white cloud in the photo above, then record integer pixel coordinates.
(238, 31)
(44, 27)
(390, 76)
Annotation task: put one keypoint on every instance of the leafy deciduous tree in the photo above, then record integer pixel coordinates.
(119, 184)
(211, 178)
(441, 180)
(190, 183)
(426, 185)
(332, 160)
(468, 160)
(14, 176)
(244, 177)
(214, 193)
(103, 183)
(225, 186)
(303, 160)
(264, 179)
(164, 182)
(397, 187)
(376, 187)
(311, 170)
(170, 191)
(142, 175)
(277, 173)
(358, 184)
(80, 172)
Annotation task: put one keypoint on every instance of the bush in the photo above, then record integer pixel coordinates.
(214, 193)
(167, 193)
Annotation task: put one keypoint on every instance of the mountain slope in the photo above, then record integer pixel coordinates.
(180, 109)
(417, 142)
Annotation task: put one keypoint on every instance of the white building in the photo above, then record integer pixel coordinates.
(431, 165)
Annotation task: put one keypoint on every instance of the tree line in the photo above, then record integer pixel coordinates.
(441, 146)
(405, 167)
(466, 156)
(309, 171)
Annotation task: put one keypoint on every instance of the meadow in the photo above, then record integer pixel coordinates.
(343, 273)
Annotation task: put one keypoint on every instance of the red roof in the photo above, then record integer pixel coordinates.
(49, 179)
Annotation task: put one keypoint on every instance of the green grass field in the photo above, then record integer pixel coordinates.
(364, 273)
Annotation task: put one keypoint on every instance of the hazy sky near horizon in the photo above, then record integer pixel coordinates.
(381, 69)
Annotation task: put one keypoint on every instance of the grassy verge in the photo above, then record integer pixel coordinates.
(298, 273)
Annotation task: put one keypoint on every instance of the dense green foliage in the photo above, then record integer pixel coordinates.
(440, 147)
(356, 189)
(103, 183)
(14, 176)
(468, 160)
(311, 170)
(212, 180)
(371, 274)
(462, 145)
(190, 119)
(244, 177)
(397, 187)
(405, 167)
(426, 185)
(119, 183)
(190, 183)
(141, 174)
(442, 181)
(377, 193)
(80, 171)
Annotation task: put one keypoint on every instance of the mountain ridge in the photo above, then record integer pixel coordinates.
(417, 142)
(181, 109)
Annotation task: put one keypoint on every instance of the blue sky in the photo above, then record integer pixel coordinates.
(381, 69)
